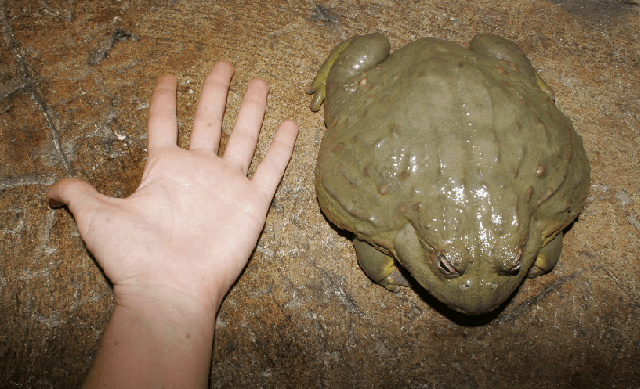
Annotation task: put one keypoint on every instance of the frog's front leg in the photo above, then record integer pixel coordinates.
(350, 58)
(547, 257)
(379, 266)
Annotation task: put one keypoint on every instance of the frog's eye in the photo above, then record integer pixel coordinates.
(446, 267)
(514, 268)
(516, 262)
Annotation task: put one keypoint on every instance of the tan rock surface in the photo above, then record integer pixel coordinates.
(75, 81)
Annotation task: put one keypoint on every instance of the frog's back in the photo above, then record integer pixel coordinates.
(449, 140)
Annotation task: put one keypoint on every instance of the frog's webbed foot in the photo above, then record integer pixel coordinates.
(501, 48)
(379, 266)
(354, 56)
(547, 257)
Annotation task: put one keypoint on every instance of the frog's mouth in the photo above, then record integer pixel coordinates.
(480, 289)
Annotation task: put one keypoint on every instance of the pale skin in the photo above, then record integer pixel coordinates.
(173, 248)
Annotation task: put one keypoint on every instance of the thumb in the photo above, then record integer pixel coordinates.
(79, 196)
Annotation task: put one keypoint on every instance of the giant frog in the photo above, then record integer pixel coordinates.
(453, 163)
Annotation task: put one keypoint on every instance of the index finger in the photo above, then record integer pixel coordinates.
(270, 171)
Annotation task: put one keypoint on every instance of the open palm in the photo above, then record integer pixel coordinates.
(195, 218)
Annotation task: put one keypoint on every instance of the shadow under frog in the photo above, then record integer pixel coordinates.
(452, 163)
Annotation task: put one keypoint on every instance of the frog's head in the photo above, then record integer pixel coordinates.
(472, 283)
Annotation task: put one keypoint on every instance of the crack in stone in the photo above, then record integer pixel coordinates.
(517, 311)
(31, 87)
(619, 284)
(14, 182)
(9, 89)
(328, 18)
(100, 53)
(323, 14)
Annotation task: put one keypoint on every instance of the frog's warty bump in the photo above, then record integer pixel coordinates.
(383, 189)
(500, 70)
(528, 194)
(567, 155)
(393, 129)
(546, 196)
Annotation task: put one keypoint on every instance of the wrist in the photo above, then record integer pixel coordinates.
(164, 304)
(155, 338)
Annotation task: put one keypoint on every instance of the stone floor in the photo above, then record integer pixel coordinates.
(75, 81)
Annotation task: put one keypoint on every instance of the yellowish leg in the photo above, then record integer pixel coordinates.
(379, 266)
(319, 84)
(547, 257)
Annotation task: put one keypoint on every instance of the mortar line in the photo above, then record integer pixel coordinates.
(33, 89)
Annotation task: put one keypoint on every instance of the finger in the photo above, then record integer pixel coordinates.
(243, 139)
(80, 197)
(163, 124)
(208, 121)
(271, 169)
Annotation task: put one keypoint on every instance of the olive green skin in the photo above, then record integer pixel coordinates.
(453, 163)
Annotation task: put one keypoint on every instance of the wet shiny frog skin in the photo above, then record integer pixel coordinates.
(453, 163)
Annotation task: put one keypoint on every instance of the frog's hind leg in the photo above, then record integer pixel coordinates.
(379, 266)
(547, 257)
(354, 55)
(501, 48)
(318, 86)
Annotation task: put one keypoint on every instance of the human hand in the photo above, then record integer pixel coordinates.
(188, 230)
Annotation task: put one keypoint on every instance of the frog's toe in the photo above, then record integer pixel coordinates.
(394, 281)
(547, 257)
(319, 91)
(379, 266)
(546, 88)
(318, 86)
